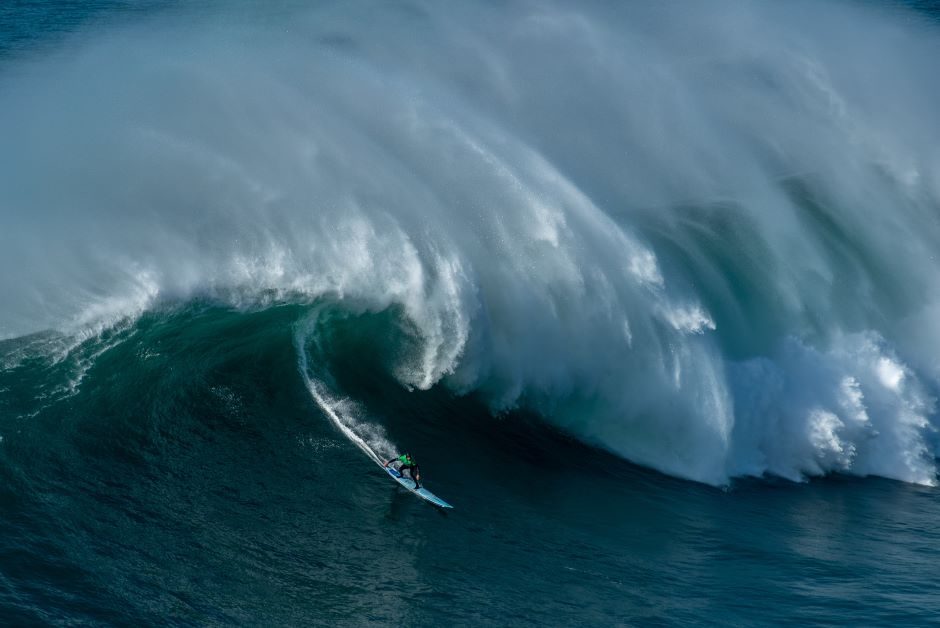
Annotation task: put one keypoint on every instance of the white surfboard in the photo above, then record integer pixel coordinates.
(421, 492)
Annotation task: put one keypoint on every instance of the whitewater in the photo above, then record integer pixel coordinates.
(700, 237)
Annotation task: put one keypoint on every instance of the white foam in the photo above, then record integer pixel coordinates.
(890, 373)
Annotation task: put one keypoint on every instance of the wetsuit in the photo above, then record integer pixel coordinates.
(407, 462)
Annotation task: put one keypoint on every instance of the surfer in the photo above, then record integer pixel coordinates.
(407, 462)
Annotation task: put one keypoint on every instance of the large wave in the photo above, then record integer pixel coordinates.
(700, 236)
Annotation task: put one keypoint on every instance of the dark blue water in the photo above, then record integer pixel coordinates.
(167, 460)
(193, 480)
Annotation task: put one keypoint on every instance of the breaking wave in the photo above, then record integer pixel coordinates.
(703, 239)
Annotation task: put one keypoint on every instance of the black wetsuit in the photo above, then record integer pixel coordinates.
(415, 473)
(407, 463)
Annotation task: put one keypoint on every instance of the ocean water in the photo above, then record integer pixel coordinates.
(650, 290)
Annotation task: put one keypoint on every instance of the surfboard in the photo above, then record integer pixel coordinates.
(421, 492)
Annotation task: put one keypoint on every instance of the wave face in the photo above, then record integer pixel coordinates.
(700, 237)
